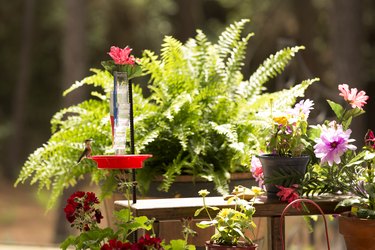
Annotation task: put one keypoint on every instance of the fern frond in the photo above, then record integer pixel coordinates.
(269, 69)
(280, 100)
(102, 79)
(229, 38)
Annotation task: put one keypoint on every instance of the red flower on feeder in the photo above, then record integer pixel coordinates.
(121, 56)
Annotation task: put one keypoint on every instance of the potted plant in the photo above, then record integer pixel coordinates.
(232, 225)
(328, 144)
(200, 118)
(285, 164)
(358, 224)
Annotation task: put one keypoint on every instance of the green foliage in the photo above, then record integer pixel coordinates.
(205, 119)
(201, 118)
(178, 244)
(126, 224)
(231, 224)
(92, 239)
(54, 165)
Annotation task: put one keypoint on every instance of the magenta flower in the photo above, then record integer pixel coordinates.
(352, 96)
(333, 143)
(257, 171)
(121, 56)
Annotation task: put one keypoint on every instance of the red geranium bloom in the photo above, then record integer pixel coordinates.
(352, 96)
(148, 240)
(118, 245)
(121, 56)
(92, 198)
(81, 212)
(98, 215)
(69, 212)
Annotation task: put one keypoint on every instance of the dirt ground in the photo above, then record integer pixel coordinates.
(24, 219)
(23, 216)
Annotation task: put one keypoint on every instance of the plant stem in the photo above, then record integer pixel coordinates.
(205, 208)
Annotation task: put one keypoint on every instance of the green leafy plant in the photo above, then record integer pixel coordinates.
(82, 214)
(205, 119)
(231, 224)
(201, 118)
(361, 173)
(334, 157)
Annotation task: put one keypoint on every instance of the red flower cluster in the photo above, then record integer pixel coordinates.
(144, 243)
(80, 210)
(289, 195)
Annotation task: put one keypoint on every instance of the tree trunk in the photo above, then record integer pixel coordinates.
(346, 43)
(74, 68)
(74, 49)
(20, 96)
(189, 17)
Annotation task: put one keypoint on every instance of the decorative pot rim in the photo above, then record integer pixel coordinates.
(352, 227)
(303, 156)
(242, 244)
(348, 215)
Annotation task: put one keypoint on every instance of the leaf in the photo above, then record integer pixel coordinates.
(353, 113)
(370, 189)
(67, 242)
(205, 224)
(198, 211)
(348, 202)
(337, 109)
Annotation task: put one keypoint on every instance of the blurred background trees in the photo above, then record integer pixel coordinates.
(47, 45)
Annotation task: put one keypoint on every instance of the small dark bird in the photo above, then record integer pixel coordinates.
(87, 151)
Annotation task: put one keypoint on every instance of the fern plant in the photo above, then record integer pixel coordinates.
(202, 117)
(207, 120)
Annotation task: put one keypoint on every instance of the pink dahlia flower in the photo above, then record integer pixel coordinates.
(333, 143)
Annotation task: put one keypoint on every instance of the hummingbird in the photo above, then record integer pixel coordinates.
(87, 152)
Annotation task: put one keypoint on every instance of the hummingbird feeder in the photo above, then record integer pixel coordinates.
(121, 113)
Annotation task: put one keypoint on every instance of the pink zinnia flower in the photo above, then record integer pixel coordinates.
(121, 56)
(257, 171)
(333, 143)
(352, 96)
(289, 194)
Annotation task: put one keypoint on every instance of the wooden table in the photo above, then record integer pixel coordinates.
(177, 208)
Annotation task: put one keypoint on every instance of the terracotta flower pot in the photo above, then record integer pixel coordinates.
(359, 234)
(275, 166)
(240, 246)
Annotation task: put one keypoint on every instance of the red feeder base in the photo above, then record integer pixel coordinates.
(119, 161)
